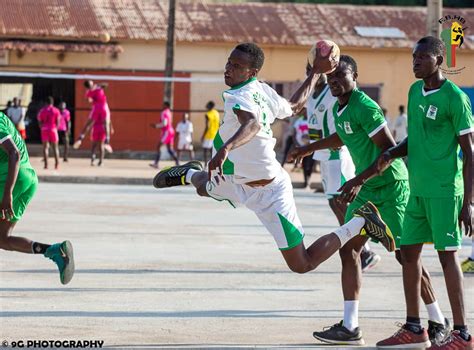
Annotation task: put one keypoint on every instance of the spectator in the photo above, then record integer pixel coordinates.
(15, 113)
(48, 119)
(400, 125)
(64, 128)
(185, 141)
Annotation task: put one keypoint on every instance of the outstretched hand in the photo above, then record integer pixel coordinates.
(216, 163)
(465, 218)
(325, 64)
(350, 190)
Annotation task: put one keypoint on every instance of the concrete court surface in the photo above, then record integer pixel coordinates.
(169, 269)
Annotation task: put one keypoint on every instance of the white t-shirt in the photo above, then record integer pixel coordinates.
(256, 160)
(400, 127)
(16, 114)
(185, 130)
(320, 118)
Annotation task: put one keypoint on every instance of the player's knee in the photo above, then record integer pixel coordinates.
(301, 268)
(349, 255)
(4, 243)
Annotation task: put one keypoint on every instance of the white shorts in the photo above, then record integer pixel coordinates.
(273, 204)
(184, 145)
(335, 173)
(207, 143)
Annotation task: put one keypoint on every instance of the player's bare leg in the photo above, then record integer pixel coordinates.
(45, 154)
(56, 154)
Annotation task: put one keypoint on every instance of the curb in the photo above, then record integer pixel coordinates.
(103, 180)
(114, 180)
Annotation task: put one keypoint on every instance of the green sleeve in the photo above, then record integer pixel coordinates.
(372, 119)
(4, 130)
(461, 114)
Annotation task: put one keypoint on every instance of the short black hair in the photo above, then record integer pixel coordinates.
(256, 54)
(401, 108)
(210, 104)
(167, 104)
(349, 61)
(435, 45)
(88, 84)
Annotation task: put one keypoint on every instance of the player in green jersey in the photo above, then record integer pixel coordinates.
(440, 123)
(18, 182)
(360, 125)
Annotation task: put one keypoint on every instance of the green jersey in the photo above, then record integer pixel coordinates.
(356, 123)
(436, 119)
(9, 131)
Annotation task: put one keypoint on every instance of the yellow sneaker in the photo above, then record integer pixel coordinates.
(467, 266)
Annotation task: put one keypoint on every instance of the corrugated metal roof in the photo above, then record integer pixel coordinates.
(198, 21)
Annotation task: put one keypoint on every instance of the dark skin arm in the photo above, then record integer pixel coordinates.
(384, 141)
(248, 129)
(321, 64)
(465, 217)
(332, 141)
(13, 166)
(385, 159)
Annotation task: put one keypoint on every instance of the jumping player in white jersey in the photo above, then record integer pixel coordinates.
(244, 169)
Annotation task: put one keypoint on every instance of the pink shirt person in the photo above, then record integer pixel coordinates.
(99, 114)
(167, 130)
(49, 119)
(64, 120)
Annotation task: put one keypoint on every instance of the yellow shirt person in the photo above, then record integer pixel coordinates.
(210, 131)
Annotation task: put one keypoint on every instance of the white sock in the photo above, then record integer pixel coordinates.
(472, 249)
(351, 314)
(349, 229)
(434, 313)
(367, 246)
(190, 174)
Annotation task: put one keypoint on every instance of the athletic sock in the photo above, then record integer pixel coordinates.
(434, 313)
(351, 314)
(367, 247)
(39, 248)
(463, 332)
(189, 175)
(414, 325)
(349, 229)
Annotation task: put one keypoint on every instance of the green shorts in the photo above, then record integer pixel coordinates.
(23, 192)
(433, 220)
(390, 200)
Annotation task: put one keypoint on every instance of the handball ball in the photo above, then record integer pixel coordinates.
(324, 47)
(104, 37)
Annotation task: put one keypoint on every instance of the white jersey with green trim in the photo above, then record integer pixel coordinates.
(320, 118)
(256, 159)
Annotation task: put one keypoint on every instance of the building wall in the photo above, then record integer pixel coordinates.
(389, 68)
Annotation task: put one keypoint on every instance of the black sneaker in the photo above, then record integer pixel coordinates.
(368, 259)
(175, 175)
(338, 334)
(439, 332)
(375, 227)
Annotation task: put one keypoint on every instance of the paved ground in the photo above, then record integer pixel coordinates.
(123, 171)
(171, 269)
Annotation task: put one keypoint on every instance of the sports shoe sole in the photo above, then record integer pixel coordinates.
(68, 272)
(424, 345)
(340, 342)
(380, 234)
(157, 181)
(375, 260)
